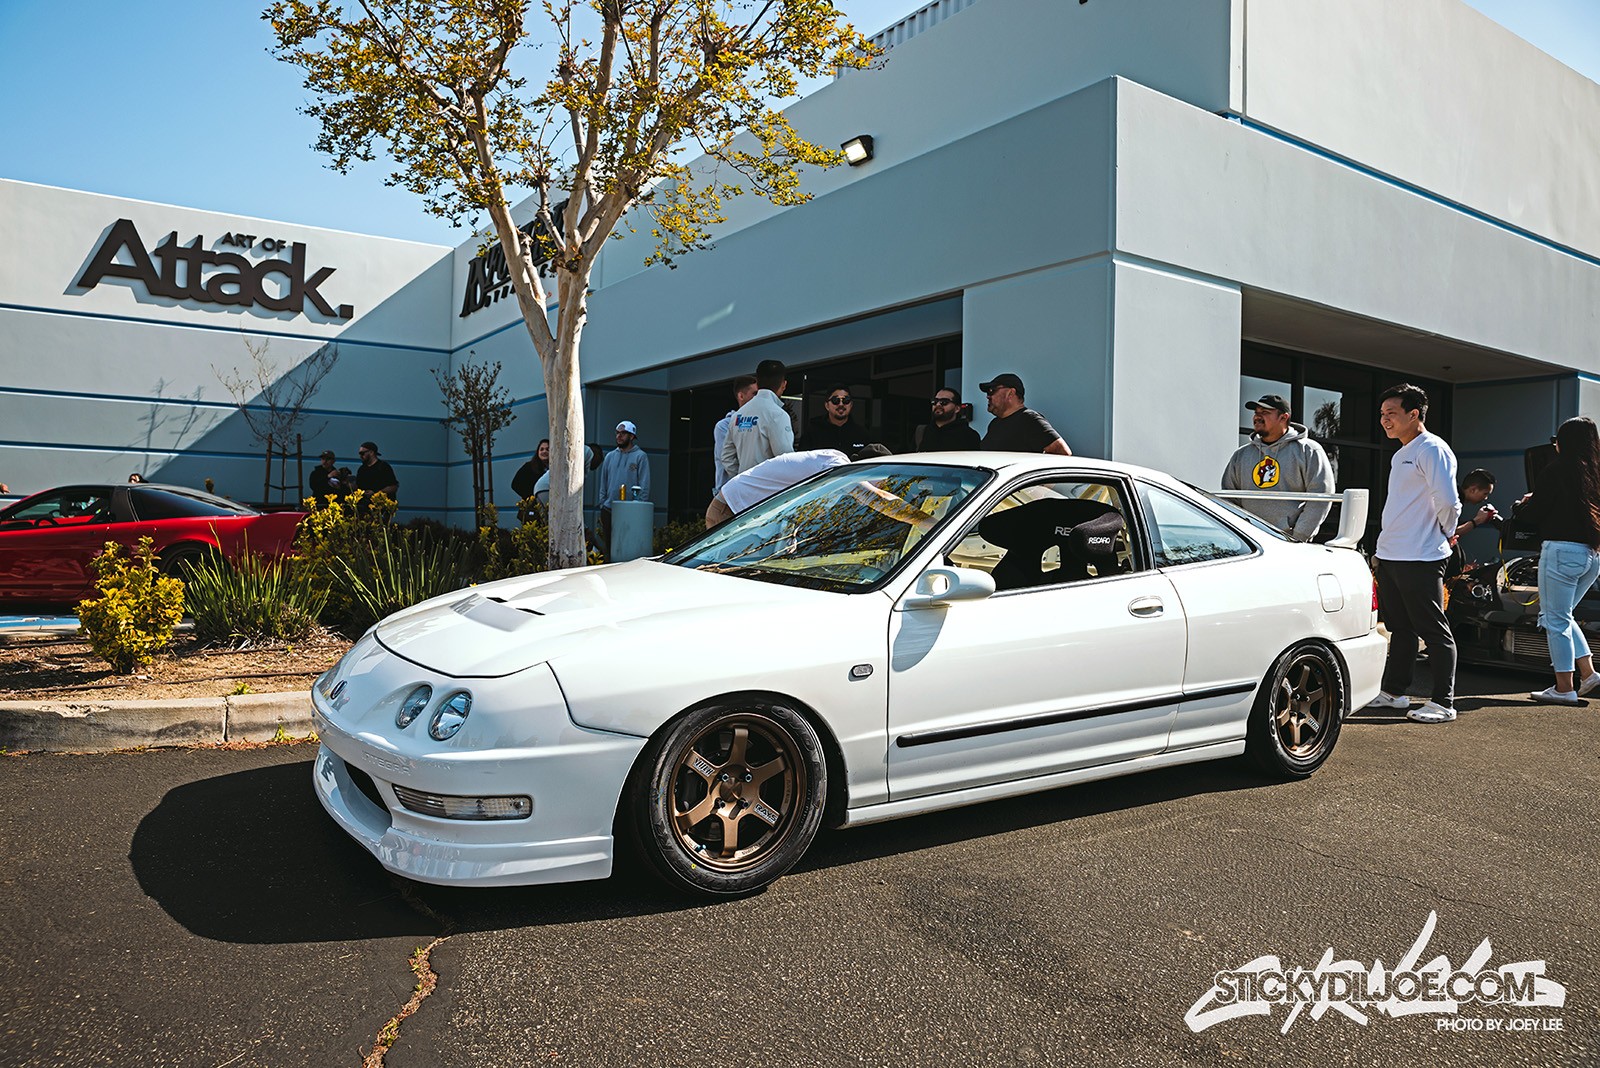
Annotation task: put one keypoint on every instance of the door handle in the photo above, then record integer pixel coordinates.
(1146, 606)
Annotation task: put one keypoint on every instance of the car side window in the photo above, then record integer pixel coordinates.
(1184, 533)
(66, 507)
(1049, 533)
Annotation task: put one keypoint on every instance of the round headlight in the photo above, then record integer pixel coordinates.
(415, 702)
(451, 715)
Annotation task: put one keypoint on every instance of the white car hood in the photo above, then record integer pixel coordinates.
(503, 627)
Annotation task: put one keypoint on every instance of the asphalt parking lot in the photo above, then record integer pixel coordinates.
(197, 908)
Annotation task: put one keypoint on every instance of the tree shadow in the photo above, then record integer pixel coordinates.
(251, 857)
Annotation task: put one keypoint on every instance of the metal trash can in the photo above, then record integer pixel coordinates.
(632, 524)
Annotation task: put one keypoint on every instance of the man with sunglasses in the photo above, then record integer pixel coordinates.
(948, 432)
(834, 429)
(1015, 427)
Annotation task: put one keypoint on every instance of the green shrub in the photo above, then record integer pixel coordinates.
(135, 608)
(339, 529)
(260, 598)
(398, 570)
(678, 533)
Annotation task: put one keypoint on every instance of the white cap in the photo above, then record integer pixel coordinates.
(628, 426)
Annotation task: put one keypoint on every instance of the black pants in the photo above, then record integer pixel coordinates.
(1411, 594)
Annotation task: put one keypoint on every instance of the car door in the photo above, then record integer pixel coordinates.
(1066, 665)
(46, 546)
(1243, 609)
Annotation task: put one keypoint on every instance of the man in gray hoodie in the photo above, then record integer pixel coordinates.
(1280, 455)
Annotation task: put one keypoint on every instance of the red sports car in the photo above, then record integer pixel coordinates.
(48, 539)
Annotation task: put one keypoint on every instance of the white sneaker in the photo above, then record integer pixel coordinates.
(1389, 700)
(1553, 696)
(1432, 713)
(1586, 687)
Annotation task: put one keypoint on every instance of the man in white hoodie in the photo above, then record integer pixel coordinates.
(1281, 456)
(761, 428)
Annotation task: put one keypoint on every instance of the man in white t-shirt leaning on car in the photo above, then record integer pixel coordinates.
(778, 473)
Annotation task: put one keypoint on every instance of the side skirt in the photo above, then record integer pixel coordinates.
(889, 810)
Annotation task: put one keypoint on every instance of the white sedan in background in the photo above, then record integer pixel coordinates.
(888, 638)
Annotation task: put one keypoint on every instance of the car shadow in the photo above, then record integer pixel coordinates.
(252, 858)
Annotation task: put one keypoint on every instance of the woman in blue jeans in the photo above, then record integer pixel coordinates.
(1566, 505)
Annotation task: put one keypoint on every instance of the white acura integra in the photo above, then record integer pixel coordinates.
(888, 638)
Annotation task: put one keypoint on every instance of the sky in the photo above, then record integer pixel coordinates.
(189, 108)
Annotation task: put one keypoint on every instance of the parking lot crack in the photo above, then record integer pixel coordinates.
(422, 968)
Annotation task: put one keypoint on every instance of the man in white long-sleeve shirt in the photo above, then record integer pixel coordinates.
(1419, 517)
(761, 428)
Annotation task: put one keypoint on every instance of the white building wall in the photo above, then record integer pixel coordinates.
(1436, 94)
(96, 383)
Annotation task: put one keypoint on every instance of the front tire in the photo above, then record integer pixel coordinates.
(729, 797)
(1298, 713)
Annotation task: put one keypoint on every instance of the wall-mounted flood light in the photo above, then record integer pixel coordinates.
(858, 150)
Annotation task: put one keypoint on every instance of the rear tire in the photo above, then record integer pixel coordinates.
(1295, 723)
(179, 560)
(729, 797)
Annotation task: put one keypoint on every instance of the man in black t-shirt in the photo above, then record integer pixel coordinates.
(948, 432)
(375, 475)
(317, 480)
(1016, 428)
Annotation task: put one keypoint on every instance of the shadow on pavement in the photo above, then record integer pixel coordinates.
(252, 858)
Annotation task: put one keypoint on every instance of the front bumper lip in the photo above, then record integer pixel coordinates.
(453, 863)
(574, 781)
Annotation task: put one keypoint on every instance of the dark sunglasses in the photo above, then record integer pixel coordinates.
(840, 400)
(938, 401)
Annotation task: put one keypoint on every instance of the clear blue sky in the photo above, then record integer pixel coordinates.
(178, 101)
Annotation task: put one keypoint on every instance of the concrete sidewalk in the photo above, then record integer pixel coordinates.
(101, 726)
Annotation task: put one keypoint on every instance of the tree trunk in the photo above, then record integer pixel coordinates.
(565, 398)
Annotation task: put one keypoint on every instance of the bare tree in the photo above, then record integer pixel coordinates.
(479, 409)
(273, 405)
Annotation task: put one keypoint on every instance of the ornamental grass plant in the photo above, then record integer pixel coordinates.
(258, 598)
(397, 570)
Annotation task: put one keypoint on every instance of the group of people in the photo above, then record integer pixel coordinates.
(624, 475)
(755, 453)
(373, 475)
(1425, 515)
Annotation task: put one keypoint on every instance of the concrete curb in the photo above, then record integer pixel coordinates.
(101, 726)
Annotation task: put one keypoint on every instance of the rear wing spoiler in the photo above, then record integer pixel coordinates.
(1353, 505)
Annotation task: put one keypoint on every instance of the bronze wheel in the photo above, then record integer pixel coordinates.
(1298, 713)
(733, 796)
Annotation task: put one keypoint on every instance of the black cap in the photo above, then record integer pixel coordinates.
(1001, 381)
(870, 451)
(372, 447)
(327, 454)
(1271, 401)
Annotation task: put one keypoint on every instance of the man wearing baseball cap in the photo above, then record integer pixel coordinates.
(1015, 427)
(317, 480)
(626, 466)
(1280, 456)
(375, 475)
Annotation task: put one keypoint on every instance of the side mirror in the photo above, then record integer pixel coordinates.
(939, 586)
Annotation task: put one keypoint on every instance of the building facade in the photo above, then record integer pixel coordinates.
(1151, 210)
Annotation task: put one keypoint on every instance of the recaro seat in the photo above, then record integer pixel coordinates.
(1027, 531)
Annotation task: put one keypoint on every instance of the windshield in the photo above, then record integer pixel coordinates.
(846, 530)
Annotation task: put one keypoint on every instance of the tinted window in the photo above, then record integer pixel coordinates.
(151, 504)
(1184, 533)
